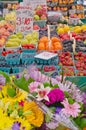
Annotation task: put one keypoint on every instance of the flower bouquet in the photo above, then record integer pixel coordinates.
(16, 113)
(26, 97)
(63, 104)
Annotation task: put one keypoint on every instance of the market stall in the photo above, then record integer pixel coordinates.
(42, 65)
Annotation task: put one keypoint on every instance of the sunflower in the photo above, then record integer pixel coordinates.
(36, 116)
(5, 122)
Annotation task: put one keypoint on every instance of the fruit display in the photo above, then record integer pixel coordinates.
(77, 10)
(80, 61)
(5, 30)
(40, 12)
(43, 33)
(67, 45)
(31, 38)
(10, 16)
(15, 40)
(66, 7)
(49, 68)
(68, 71)
(53, 44)
(11, 6)
(66, 59)
(80, 46)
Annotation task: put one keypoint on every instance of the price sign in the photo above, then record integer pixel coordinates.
(24, 19)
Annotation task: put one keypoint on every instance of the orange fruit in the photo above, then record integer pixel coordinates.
(44, 39)
(41, 46)
(55, 39)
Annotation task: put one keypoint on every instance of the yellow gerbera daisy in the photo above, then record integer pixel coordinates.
(36, 117)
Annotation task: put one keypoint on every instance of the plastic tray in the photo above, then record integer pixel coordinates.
(27, 58)
(40, 23)
(13, 59)
(29, 50)
(5, 69)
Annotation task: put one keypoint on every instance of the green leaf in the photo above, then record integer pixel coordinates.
(20, 112)
(56, 86)
(46, 84)
(30, 80)
(16, 105)
(70, 100)
(34, 94)
(21, 83)
(77, 121)
(9, 111)
(47, 118)
(66, 94)
(83, 123)
(11, 92)
(6, 76)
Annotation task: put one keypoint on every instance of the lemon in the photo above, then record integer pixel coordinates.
(66, 29)
(78, 30)
(61, 31)
(83, 27)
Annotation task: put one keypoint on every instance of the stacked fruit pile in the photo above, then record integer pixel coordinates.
(15, 40)
(77, 10)
(53, 44)
(40, 12)
(67, 7)
(5, 30)
(80, 63)
(10, 16)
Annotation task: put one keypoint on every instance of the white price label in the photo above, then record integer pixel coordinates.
(24, 19)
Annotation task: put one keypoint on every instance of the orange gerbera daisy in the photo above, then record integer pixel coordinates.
(36, 116)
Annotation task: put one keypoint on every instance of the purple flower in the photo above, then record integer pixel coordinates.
(39, 77)
(19, 75)
(55, 95)
(58, 109)
(2, 80)
(16, 126)
(84, 99)
(26, 76)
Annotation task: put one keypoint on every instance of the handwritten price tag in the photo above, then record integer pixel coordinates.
(24, 19)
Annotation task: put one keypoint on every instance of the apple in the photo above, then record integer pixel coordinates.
(36, 17)
(36, 27)
(43, 17)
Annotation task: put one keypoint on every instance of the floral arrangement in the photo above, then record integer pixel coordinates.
(16, 112)
(26, 96)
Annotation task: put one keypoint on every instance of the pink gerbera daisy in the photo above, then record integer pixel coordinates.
(71, 109)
